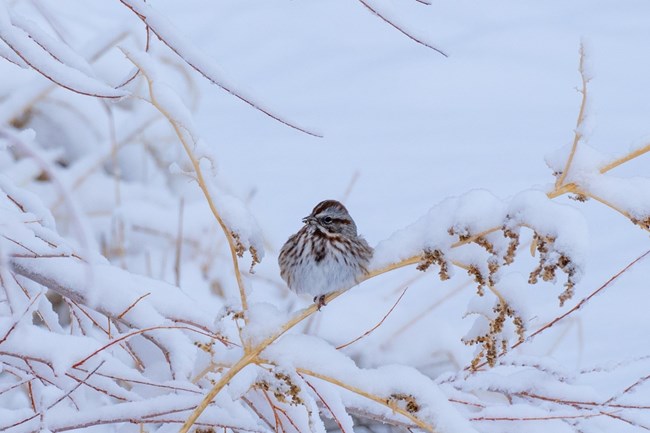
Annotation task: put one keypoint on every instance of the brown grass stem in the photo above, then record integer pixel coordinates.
(178, 129)
(384, 401)
(581, 117)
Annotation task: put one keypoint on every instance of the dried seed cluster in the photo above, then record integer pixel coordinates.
(284, 389)
(493, 340)
(430, 257)
(493, 343)
(206, 347)
(579, 197)
(404, 401)
(643, 223)
(240, 249)
(480, 280)
(550, 261)
(513, 244)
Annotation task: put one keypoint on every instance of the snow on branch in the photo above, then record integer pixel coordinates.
(583, 171)
(109, 334)
(204, 65)
(239, 226)
(48, 57)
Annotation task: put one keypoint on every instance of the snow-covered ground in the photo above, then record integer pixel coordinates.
(406, 133)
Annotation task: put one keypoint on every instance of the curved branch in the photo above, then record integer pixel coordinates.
(400, 29)
(199, 61)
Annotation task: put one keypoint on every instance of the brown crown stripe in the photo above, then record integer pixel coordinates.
(326, 204)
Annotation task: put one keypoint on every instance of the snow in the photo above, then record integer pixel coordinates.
(20, 41)
(469, 214)
(119, 304)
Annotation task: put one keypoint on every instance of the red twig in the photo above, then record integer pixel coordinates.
(136, 9)
(13, 325)
(611, 415)
(142, 382)
(17, 423)
(14, 386)
(629, 388)
(585, 300)
(278, 422)
(325, 404)
(257, 412)
(284, 412)
(52, 79)
(31, 395)
(583, 403)
(536, 418)
(137, 71)
(138, 332)
(130, 307)
(95, 387)
(377, 325)
(17, 203)
(578, 306)
(74, 388)
(467, 403)
(20, 245)
(85, 313)
(400, 29)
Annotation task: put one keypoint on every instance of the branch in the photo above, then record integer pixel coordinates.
(187, 146)
(381, 400)
(376, 326)
(197, 60)
(400, 29)
(581, 117)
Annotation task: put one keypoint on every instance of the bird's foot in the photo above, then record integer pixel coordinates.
(320, 301)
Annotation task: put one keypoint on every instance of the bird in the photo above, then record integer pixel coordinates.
(326, 254)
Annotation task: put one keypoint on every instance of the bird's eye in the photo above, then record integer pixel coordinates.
(327, 220)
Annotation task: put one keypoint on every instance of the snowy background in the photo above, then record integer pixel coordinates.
(403, 128)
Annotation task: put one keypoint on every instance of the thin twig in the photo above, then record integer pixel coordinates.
(376, 326)
(581, 117)
(400, 29)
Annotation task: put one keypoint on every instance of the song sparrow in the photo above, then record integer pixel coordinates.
(326, 254)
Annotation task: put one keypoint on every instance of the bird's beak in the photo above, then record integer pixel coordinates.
(308, 219)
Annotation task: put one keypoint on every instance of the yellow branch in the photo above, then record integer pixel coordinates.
(608, 204)
(625, 158)
(178, 129)
(252, 353)
(472, 238)
(581, 117)
(381, 400)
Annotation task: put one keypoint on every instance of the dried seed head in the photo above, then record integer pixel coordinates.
(643, 223)
(256, 258)
(512, 245)
(206, 347)
(579, 197)
(239, 246)
(430, 257)
(520, 328)
(493, 340)
(287, 388)
(408, 402)
(567, 293)
(485, 244)
(479, 278)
